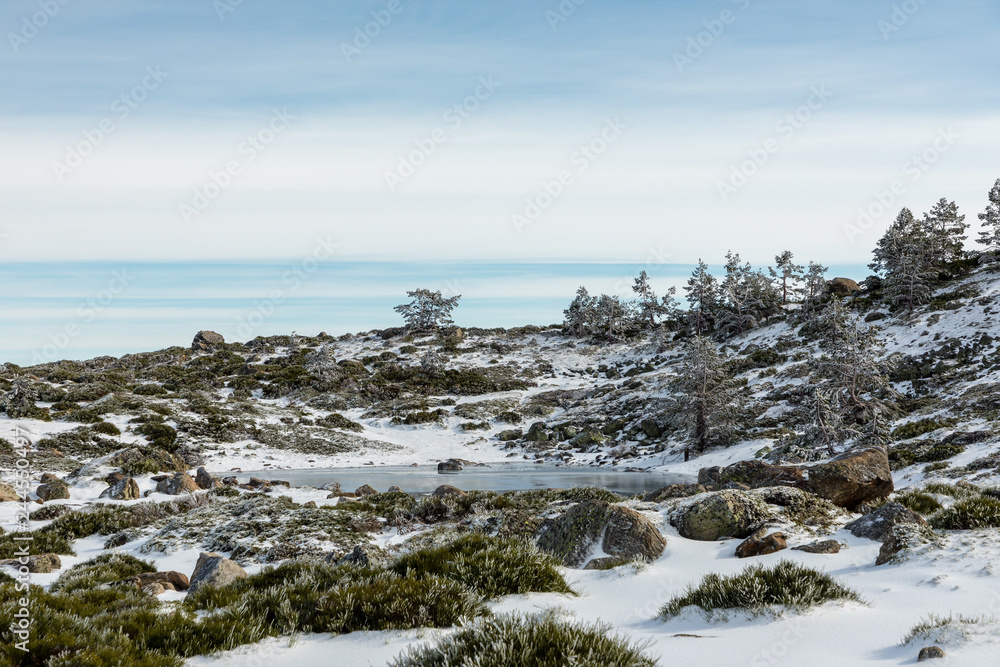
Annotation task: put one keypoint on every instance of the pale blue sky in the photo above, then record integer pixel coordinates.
(656, 189)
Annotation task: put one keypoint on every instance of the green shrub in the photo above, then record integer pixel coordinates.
(336, 420)
(159, 435)
(105, 428)
(921, 503)
(490, 566)
(951, 490)
(920, 427)
(758, 590)
(968, 514)
(420, 417)
(540, 641)
(925, 630)
(105, 569)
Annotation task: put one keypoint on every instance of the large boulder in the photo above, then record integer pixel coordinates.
(727, 513)
(8, 494)
(451, 465)
(204, 480)
(843, 286)
(447, 490)
(214, 569)
(180, 483)
(621, 532)
(853, 478)
(877, 525)
(754, 474)
(54, 490)
(901, 539)
(761, 543)
(125, 488)
(206, 341)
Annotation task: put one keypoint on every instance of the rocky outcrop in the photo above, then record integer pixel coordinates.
(877, 525)
(761, 544)
(180, 483)
(754, 474)
(214, 569)
(206, 341)
(853, 478)
(721, 514)
(125, 488)
(620, 531)
(843, 286)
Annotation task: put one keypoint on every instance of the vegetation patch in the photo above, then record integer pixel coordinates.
(969, 514)
(541, 641)
(759, 590)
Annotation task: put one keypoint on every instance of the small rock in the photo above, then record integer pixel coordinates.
(180, 483)
(121, 538)
(824, 547)
(214, 569)
(230, 481)
(332, 486)
(446, 490)
(930, 653)
(365, 555)
(365, 490)
(451, 465)
(510, 434)
(49, 478)
(761, 544)
(394, 489)
(154, 589)
(311, 503)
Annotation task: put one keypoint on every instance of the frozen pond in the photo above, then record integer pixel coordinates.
(493, 477)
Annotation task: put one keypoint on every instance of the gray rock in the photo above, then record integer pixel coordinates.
(451, 465)
(930, 653)
(214, 569)
(365, 555)
(446, 490)
(877, 525)
(622, 533)
(824, 547)
(180, 483)
(56, 490)
(365, 490)
(721, 514)
(124, 489)
(206, 341)
(205, 480)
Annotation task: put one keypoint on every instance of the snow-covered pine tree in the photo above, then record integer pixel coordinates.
(611, 314)
(703, 299)
(789, 275)
(428, 311)
(903, 230)
(748, 298)
(711, 395)
(945, 230)
(815, 282)
(908, 284)
(990, 234)
(648, 309)
(581, 316)
(826, 428)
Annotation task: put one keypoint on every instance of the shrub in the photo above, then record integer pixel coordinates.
(336, 420)
(490, 566)
(541, 641)
(159, 435)
(920, 427)
(758, 590)
(935, 629)
(149, 390)
(421, 417)
(968, 514)
(105, 428)
(921, 503)
(105, 569)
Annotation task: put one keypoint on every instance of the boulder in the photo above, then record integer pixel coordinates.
(53, 491)
(511, 434)
(206, 341)
(205, 480)
(451, 465)
(214, 569)
(930, 653)
(171, 581)
(445, 490)
(722, 514)
(761, 543)
(154, 589)
(121, 538)
(824, 547)
(394, 489)
(8, 494)
(124, 489)
(365, 490)
(622, 533)
(364, 555)
(853, 478)
(49, 478)
(311, 504)
(754, 474)
(180, 483)
(901, 538)
(37, 564)
(843, 286)
(877, 525)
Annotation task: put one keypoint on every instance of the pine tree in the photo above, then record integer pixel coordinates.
(789, 275)
(581, 315)
(945, 232)
(703, 299)
(611, 314)
(903, 230)
(748, 298)
(648, 309)
(428, 311)
(990, 235)
(826, 428)
(908, 285)
(815, 281)
(711, 395)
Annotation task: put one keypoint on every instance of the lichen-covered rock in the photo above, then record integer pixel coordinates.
(824, 547)
(8, 494)
(56, 490)
(214, 569)
(902, 538)
(674, 491)
(204, 480)
(206, 341)
(180, 483)
(877, 525)
(761, 544)
(756, 474)
(365, 490)
(451, 465)
(510, 435)
(722, 514)
(853, 478)
(124, 489)
(37, 564)
(622, 532)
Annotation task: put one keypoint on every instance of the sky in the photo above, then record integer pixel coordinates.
(580, 130)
